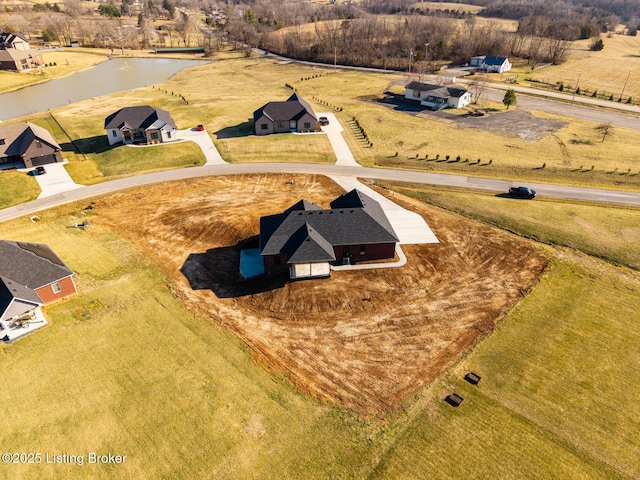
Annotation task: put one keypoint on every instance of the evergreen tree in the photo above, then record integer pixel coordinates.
(509, 98)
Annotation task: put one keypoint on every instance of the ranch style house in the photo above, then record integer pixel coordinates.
(305, 240)
(490, 63)
(292, 115)
(437, 97)
(141, 125)
(27, 143)
(16, 55)
(31, 275)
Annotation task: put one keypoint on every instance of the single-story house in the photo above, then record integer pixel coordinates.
(13, 40)
(144, 124)
(292, 115)
(16, 60)
(477, 61)
(28, 143)
(495, 64)
(305, 240)
(437, 97)
(31, 275)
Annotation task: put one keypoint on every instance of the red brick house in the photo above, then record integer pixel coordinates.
(305, 240)
(28, 143)
(31, 275)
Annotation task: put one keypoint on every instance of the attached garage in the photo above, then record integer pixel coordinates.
(42, 160)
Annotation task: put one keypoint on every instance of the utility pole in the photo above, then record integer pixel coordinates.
(625, 85)
(574, 92)
(426, 53)
(410, 60)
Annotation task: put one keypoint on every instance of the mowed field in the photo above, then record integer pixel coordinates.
(613, 70)
(126, 368)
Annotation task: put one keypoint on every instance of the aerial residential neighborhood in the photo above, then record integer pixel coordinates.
(362, 240)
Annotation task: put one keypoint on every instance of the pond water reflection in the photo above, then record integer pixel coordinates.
(105, 78)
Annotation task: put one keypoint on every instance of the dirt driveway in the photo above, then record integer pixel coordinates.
(363, 339)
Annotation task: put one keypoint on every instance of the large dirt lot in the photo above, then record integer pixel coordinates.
(362, 339)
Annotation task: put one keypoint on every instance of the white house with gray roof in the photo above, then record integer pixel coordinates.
(437, 97)
(143, 124)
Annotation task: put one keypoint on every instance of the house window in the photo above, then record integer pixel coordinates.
(154, 135)
(114, 133)
(2, 142)
(168, 134)
(38, 144)
(264, 126)
(363, 250)
(56, 287)
(280, 124)
(307, 125)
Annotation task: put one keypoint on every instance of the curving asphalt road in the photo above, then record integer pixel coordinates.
(557, 191)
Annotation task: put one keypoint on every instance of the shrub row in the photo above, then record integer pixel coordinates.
(324, 102)
(173, 94)
(362, 131)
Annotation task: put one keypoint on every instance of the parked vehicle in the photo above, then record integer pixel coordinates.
(522, 192)
(40, 170)
(200, 128)
(323, 121)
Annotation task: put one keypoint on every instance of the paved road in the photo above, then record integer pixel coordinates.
(558, 191)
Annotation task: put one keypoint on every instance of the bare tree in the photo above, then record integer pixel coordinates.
(604, 129)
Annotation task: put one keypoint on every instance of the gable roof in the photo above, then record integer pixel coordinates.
(141, 117)
(7, 39)
(292, 109)
(491, 60)
(19, 136)
(438, 91)
(15, 298)
(32, 265)
(309, 235)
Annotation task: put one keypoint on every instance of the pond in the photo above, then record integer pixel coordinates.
(108, 77)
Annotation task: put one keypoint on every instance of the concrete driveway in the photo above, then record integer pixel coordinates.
(410, 227)
(334, 134)
(56, 180)
(206, 145)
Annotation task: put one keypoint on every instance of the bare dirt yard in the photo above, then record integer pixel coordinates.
(361, 339)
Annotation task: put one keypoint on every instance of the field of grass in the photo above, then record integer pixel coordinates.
(612, 70)
(608, 232)
(17, 187)
(125, 369)
(557, 395)
(303, 148)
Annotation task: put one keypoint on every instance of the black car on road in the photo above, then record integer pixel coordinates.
(522, 192)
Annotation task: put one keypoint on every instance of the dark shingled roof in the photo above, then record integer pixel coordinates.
(440, 91)
(18, 136)
(491, 60)
(307, 235)
(291, 109)
(33, 265)
(15, 298)
(142, 117)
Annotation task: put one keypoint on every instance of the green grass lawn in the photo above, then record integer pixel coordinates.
(558, 393)
(608, 232)
(124, 368)
(17, 187)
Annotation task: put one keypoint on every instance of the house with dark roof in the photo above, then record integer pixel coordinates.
(305, 240)
(13, 40)
(292, 115)
(28, 143)
(495, 64)
(437, 97)
(31, 275)
(143, 124)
